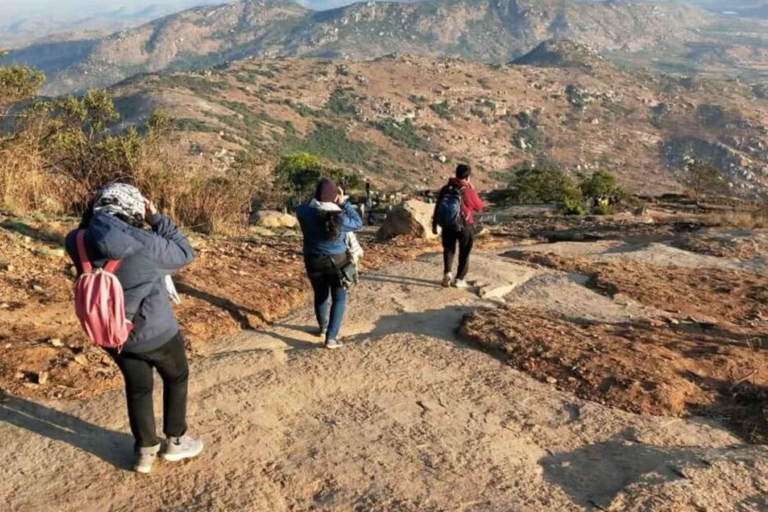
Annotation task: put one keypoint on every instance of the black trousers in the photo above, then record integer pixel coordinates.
(465, 239)
(170, 360)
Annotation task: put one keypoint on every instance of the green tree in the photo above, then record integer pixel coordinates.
(703, 178)
(297, 175)
(602, 191)
(543, 183)
(18, 83)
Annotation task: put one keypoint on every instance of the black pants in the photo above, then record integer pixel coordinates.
(170, 360)
(465, 239)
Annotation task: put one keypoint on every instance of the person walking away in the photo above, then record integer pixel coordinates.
(455, 207)
(111, 240)
(325, 222)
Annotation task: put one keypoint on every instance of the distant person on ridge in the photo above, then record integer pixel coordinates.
(325, 222)
(111, 242)
(455, 207)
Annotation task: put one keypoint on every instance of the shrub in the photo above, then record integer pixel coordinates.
(62, 151)
(443, 110)
(405, 133)
(704, 178)
(341, 103)
(542, 183)
(600, 187)
(330, 143)
(296, 175)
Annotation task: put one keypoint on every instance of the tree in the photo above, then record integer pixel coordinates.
(602, 191)
(704, 178)
(18, 83)
(297, 175)
(543, 183)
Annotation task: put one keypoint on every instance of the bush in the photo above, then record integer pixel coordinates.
(62, 151)
(704, 178)
(296, 175)
(443, 110)
(405, 133)
(601, 186)
(543, 183)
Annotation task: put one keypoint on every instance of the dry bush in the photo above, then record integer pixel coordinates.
(63, 152)
(739, 219)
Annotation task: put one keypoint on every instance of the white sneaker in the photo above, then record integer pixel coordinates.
(146, 458)
(180, 448)
(447, 278)
(460, 283)
(333, 344)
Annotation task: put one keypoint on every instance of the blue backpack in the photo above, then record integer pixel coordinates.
(449, 210)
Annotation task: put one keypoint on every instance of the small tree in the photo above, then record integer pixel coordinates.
(704, 178)
(543, 183)
(602, 191)
(18, 83)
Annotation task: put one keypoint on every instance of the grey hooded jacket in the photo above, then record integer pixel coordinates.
(147, 257)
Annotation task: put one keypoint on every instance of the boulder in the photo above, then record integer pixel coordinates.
(408, 218)
(272, 219)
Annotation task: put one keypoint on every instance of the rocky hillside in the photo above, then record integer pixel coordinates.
(358, 115)
(486, 30)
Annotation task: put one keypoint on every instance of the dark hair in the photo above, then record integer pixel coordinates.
(332, 224)
(463, 171)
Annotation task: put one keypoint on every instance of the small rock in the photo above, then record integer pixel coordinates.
(10, 268)
(37, 288)
(56, 253)
(56, 342)
(5, 305)
(551, 380)
(81, 359)
(42, 378)
(19, 375)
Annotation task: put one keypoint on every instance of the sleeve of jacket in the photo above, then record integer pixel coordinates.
(350, 219)
(169, 249)
(473, 200)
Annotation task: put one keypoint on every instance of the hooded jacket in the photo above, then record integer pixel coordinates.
(316, 241)
(147, 257)
(470, 201)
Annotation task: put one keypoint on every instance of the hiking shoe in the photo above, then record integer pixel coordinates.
(460, 283)
(321, 332)
(180, 448)
(447, 278)
(333, 344)
(146, 457)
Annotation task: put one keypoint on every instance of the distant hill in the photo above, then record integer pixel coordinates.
(485, 30)
(359, 115)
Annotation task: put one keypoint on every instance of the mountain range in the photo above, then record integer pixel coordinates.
(484, 30)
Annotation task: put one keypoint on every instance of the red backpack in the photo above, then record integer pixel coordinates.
(99, 301)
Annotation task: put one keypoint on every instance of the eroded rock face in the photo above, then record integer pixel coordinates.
(272, 219)
(412, 218)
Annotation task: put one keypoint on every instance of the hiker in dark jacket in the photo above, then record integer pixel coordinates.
(464, 233)
(325, 222)
(113, 231)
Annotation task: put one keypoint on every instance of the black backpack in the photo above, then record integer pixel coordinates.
(449, 210)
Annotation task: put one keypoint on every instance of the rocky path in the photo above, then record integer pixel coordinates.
(404, 418)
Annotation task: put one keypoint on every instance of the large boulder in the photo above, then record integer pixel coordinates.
(273, 220)
(409, 218)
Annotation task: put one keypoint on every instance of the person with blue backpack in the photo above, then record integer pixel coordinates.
(122, 300)
(455, 207)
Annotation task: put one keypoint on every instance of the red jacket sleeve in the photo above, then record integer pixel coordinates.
(472, 199)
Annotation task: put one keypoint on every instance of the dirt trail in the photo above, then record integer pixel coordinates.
(405, 417)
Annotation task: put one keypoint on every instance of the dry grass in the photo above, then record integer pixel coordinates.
(739, 219)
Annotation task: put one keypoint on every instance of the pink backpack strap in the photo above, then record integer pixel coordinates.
(112, 266)
(85, 263)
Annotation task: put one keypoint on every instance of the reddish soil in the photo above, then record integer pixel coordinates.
(643, 368)
(234, 283)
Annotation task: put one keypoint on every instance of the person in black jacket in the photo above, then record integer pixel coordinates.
(113, 231)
